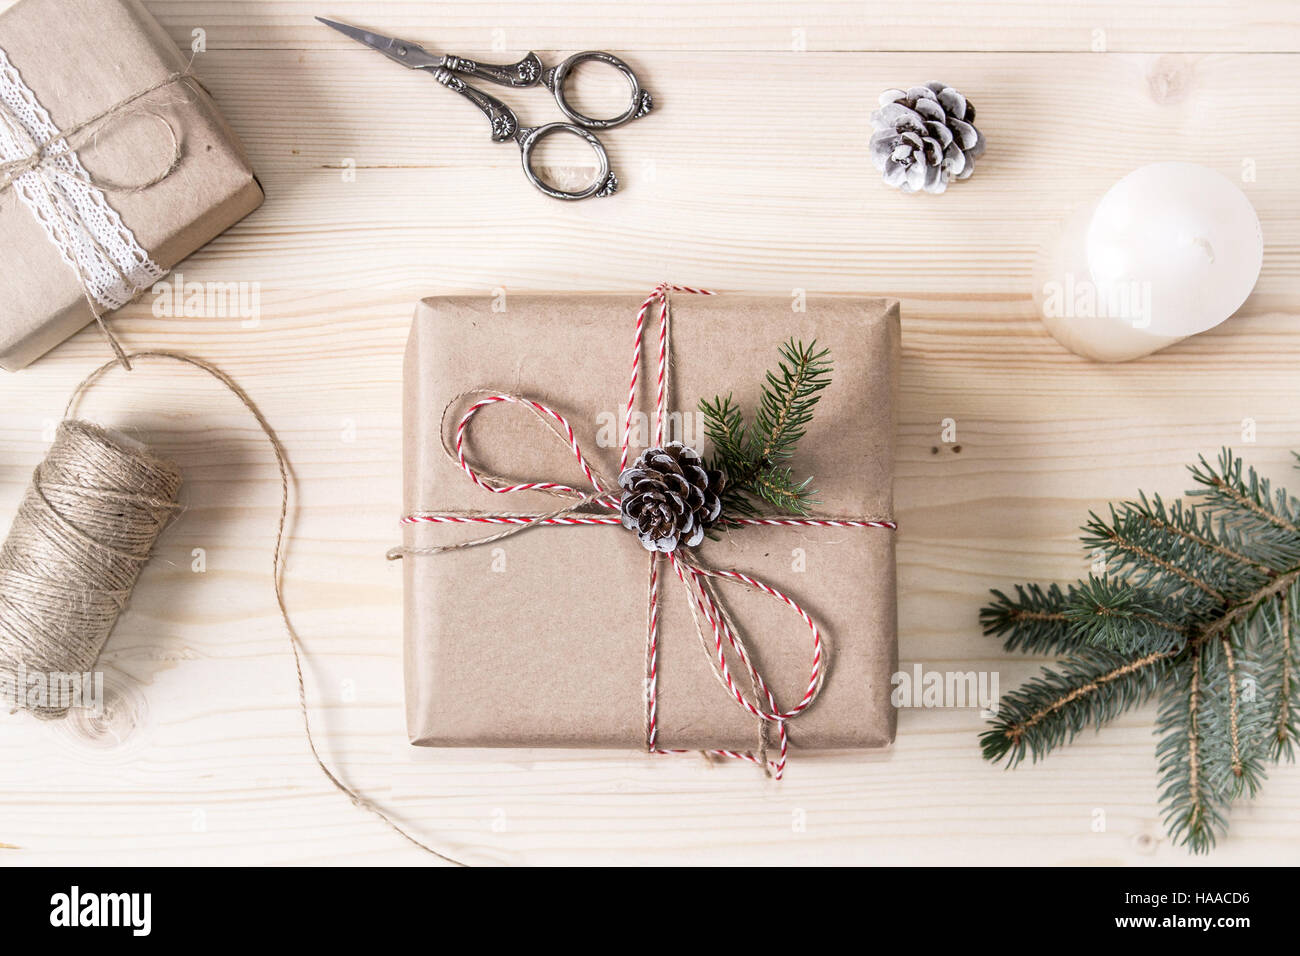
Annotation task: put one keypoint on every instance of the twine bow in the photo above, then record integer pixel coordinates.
(707, 610)
(41, 160)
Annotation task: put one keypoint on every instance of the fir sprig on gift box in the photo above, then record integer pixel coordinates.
(754, 458)
(1200, 604)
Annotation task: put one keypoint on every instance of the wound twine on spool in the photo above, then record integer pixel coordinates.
(84, 531)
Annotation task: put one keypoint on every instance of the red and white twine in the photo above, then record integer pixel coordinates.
(708, 613)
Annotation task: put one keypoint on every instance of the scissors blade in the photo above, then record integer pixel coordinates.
(410, 55)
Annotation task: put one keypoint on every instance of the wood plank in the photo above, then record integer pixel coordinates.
(483, 27)
(428, 181)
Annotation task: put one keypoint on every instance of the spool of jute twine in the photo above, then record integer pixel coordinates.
(84, 531)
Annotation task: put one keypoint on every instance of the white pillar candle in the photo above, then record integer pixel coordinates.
(1171, 250)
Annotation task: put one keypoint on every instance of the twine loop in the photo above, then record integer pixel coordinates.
(714, 625)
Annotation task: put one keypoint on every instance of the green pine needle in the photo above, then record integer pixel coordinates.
(1033, 621)
(753, 457)
(1198, 603)
(1092, 687)
(1116, 615)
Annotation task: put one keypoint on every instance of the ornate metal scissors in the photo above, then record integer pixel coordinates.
(449, 70)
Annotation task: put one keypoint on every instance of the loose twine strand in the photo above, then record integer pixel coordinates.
(40, 159)
(85, 530)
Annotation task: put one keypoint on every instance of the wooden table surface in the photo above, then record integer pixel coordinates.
(753, 175)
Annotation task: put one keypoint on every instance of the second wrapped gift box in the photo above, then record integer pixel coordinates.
(77, 226)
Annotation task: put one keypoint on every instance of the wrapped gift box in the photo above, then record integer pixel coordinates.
(73, 60)
(538, 640)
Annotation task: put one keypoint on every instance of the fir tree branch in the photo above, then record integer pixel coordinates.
(1212, 742)
(1285, 731)
(752, 457)
(786, 405)
(724, 425)
(1250, 494)
(1194, 742)
(1264, 513)
(1183, 524)
(1237, 726)
(1192, 813)
(1033, 621)
(778, 488)
(1249, 605)
(1234, 712)
(1201, 602)
(1279, 662)
(1122, 617)
(1131, 551)
(1093, 686)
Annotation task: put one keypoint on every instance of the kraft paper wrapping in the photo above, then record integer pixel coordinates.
(539, 640)
(80, 58)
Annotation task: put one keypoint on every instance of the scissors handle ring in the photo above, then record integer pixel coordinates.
(605, 182)
(640, 103)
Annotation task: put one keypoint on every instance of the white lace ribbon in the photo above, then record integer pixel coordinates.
(87, 231)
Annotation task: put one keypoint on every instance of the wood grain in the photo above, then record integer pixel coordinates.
(752, 176)
(754, 25)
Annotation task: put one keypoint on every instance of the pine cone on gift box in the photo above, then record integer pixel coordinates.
(669, 498)
(924, 137)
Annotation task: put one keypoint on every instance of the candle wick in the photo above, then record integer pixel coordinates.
(1200, 242)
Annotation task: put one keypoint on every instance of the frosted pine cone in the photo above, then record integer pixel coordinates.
(924, 137)
(669, 498)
